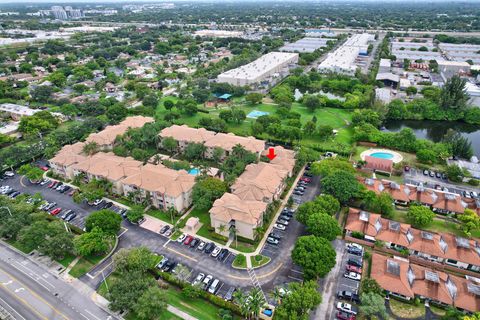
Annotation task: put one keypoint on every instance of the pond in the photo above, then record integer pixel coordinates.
(435, 130)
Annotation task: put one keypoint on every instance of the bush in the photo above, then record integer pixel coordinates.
(357, 235)
(473, 182)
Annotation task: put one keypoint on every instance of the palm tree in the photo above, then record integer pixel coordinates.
(256, 301)
(276, 294)
(91, 148)
(259, 231)
(222, 228)
(156, 159)
(233, 233)
(242, 300)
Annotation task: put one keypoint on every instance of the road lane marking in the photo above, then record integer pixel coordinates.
(5, 303)
(34, 274)
(92, 314)
(33, 293)
(183, 255)
(26, 304)
(84, 316)
(165, 244)
(301, 272)
(38, 282)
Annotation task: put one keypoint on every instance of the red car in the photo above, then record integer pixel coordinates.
(55, 211)
(345, 316)
(305, 179)
(187, 240)
(354, 269)
(43, 168)
(71, 193)
(51, 184)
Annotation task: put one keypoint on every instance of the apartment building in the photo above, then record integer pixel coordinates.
(68, 156)
(185, 135)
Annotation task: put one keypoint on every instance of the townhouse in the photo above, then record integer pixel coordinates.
(69, 155)
(439, 201)
(105, 139)
(406, 280)
(230, 211)
(185, 135)
(441, 248)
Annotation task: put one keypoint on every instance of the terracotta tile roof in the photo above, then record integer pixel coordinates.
(69, 154)
(444, 245)
(231, 207)
(108, 135)
(158, 178)
(399, 276)
(372, 163)
(285, 158)
(108, 166)
(185, 133)
(450, 202)
(399, 192)
(259, 181)
(227, 141)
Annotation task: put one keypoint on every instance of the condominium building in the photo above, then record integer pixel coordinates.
(269, 66)
(69, 155)
(227, 141)
(185, 135)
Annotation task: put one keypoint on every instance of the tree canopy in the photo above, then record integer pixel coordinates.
(315, 255)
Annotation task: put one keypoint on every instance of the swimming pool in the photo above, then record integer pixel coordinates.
(255, 114)
(193, 171)
(382, 155)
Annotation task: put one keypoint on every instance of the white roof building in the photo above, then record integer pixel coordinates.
(268, 65)
(17, 110)
(218, 33)
(306, 45)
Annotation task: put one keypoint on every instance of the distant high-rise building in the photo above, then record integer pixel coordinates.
(75, 13)
(59, 13)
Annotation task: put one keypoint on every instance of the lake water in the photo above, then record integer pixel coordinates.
(435, 130)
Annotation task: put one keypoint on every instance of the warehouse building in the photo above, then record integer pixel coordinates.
(397, 45)
(218, 33)
(306, 45)
(417, 55)
(263, 70)
(461, 52)
(343, 59)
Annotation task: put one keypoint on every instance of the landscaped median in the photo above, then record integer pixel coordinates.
(257, 261)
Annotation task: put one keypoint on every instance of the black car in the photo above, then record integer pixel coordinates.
(70, 217)
(65, 189)
(308, 174)
(274, 235)
(169, 266)
(223, 254)
(285, 217)
(348, 295)
(209, 248)
(438, 175)
(194, 243)
(163, 230)
(444, 176)
(65, 214)
(355, 262)
(108, 205)
(355, 251)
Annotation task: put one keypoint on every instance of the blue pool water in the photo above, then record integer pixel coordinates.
(193, 171)
(382, 155)
(255, 114)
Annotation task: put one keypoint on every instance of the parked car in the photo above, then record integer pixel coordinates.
(162, 263)
(65, 214)
(187, 240)
(346, 307)
(354, 269)
(194, 243)
(274, 235)
(348, 295)
(216, 252)
(55, 211)
(170, 266)
(431, 173)
(206, 281)
(281, 221)
(59, 186)
(9, 174)
(201, 246)
(198, 279)
(14, 194)
(473, 194)
(299, 193)
(425, 172)
(355, 262)
(182, 238)
(406, 168)
(353, 276)
(279, 226)
(345, 316)
(438, 175)
(354, 245)
(229, 294)
(272, 241)
(72, 192)
(97, 202)
(51, 184)
(44, 182)
(308, 174)
(163, 229)
(285, 217)
(167, 233)
(65, 189)
(214, 286)
(355, 251)
(444, 176)
(305, 179)
(107, 205)
(71, 216)
(209, 248)
(223, 254)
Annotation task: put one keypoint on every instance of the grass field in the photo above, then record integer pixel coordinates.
(67, 260)
(84, 265)
(204, 217)
(259, 260)
(407, 310)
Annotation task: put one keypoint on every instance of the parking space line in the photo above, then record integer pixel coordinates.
(297, 271)
(181, 254)
(124, 230)
(296, 279)
(165, 244)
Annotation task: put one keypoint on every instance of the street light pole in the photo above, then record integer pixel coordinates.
(105, 281)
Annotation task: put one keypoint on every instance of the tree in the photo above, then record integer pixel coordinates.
(342, 185)
(382, 203)
(454, 95)
(470, 221)
(459, 145)
(40, 122)
(42, 93)
(206, 191)
(168, 104)
(420, 216)
(126, 290)
(329, 165)
(312, 102)
(301, 299)
(90, 148)
(360, 117)
(324, 204)
(94, 242)
(192, 291)
(411, 91)
(135, 259)
(426, 156)
(195, 151)
(151, 304)
(254, 98)
(33, 173)
(315, 255)
(90, 192)
(373, 304)
(106, 220)
(135, 213)
(323, 225)
(454, 173)
(182, 273)
(325, 131)
(309, 128)
(371, 285)
(169, 144)
(116, 113)
(150, 100)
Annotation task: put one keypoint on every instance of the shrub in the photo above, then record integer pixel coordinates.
(473, 182)
(357, 235)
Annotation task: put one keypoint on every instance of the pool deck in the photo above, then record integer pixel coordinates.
(397, 157)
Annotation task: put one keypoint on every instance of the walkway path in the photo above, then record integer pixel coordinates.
(180, 313)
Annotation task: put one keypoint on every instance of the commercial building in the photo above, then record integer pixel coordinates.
(306, 45)
(16, 111)
(59, 13)
(343, 59)
(461, 52)
(416, 55)
(407, 45)
(385, 65)
(441, 248)
(218, 33)
(263, 70)
(406, 280)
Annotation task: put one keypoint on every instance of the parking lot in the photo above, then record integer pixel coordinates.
(62, 200)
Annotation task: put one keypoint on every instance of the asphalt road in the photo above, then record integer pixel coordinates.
(29, 291)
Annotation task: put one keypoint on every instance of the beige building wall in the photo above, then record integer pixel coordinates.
(243, 229)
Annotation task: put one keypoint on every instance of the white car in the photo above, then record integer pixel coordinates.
(9, 174)
(345, 307)
(97, 202)
(182, 238)
(201, 246)
(216, 251)
(279, 226)
(206, 281)
(353, 276)
(198, 279)
(354, 245)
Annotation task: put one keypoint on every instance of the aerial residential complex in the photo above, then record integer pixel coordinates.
(263, 70)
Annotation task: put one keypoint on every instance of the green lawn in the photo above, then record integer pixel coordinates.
(259, 260)
(84, 265)
(407, 310)
(204, 217)
(67, 260)
(243, 247)
(19, 246)
(163, 215)
(240, 261)
(165, 315)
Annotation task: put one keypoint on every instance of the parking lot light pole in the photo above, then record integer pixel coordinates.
(105, 281)
(8, 209)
